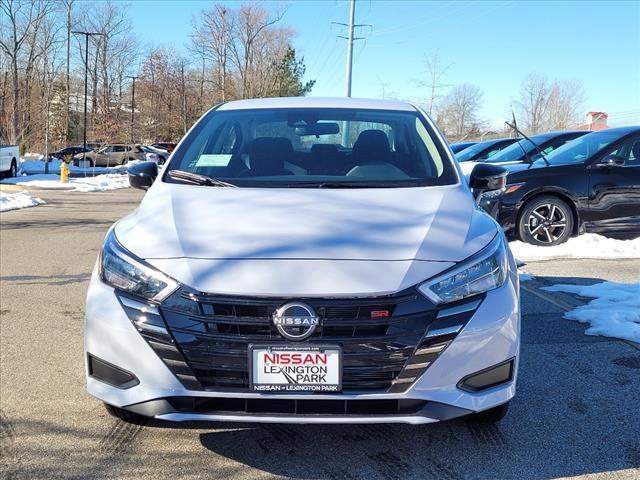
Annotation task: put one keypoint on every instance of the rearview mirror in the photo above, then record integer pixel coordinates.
(320, 128)
(611, 161)
(142, 175)
(486, 177)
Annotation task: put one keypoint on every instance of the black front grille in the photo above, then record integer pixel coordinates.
(264, 406)
(215, 340)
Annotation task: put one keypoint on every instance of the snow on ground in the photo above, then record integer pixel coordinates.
(614, 312)
(14, 201)
(525, 276)
(466, 168)
(588, 245)
(34, 167)
(99, 183)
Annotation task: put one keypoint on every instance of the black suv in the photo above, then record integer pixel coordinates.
(591, 184)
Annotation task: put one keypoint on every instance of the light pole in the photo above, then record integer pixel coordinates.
(86, 70)
(133, 101)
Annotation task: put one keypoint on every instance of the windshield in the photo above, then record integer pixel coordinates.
(315, 147)
(582, 148)
(516, 151)
(470, 152)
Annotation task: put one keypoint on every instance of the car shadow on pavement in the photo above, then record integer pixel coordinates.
(575, 413)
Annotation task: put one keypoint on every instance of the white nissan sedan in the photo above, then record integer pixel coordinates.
(306, 260)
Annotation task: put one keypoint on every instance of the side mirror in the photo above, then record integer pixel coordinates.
(486, 177)
(142, 175)
(611, 161)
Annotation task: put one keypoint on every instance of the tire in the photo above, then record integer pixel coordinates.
(125, 415)
(13, 169)
(545, 221)
(493, 415)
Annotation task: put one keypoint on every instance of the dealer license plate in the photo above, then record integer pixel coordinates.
(275, 368)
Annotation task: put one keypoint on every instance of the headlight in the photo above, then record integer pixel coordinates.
(122, 270)
(480, 273)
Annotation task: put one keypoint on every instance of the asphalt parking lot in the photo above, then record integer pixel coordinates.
(576, 413)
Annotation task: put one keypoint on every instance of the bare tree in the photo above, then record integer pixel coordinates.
(212, 39)
(435, 71)
(534, 101)
(252, 22)
(566, 101)
(549, 106)
(25, 19)
(459, 112)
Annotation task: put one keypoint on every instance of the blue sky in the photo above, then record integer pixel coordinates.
(492, 44)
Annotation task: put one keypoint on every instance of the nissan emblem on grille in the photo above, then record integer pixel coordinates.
(296, 321)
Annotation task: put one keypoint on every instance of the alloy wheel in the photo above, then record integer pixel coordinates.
(547, 223)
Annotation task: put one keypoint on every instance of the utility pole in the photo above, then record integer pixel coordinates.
(352, 16)
(351, 26)
(133, 101)
(86, 70)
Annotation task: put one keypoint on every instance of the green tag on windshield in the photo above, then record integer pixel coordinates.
(213, 160)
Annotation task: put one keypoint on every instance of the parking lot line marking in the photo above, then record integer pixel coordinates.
(544, 296)
(564, 307)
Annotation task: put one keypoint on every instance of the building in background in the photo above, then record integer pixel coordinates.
(595, 121)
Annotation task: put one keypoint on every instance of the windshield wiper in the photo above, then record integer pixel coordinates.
(361, 184)
(535, 145)
(198, 179)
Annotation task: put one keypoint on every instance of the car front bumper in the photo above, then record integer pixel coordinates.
(490, 337)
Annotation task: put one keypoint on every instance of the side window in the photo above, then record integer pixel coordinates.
(630, 151)
(551, 147)
(118, 148)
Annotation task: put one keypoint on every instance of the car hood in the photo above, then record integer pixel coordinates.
(358, 240)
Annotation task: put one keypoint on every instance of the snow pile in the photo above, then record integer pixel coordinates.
(466, 168)
(99, 183)
(14, 201)
(588, 245)
(47, 181)
(614, 312)
(31, 156)
(525, 276)
(34, 167)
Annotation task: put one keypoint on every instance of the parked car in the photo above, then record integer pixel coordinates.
(528, 150)
(525, 151)
(456, 147)
(168, 146)
(484, 150)
(591, 184)
(155, 154)
(9, 155)
(68, 152)
(110, 155)
(256, 271)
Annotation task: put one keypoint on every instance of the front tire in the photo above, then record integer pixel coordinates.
(493, 415)
(13, 169)
(546, 221)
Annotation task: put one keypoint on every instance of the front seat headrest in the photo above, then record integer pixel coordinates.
(267, 155)
(371, 146)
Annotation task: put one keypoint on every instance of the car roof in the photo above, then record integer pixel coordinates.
(559, 133)
(496, 140)
(622, 130)
(317, 102)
